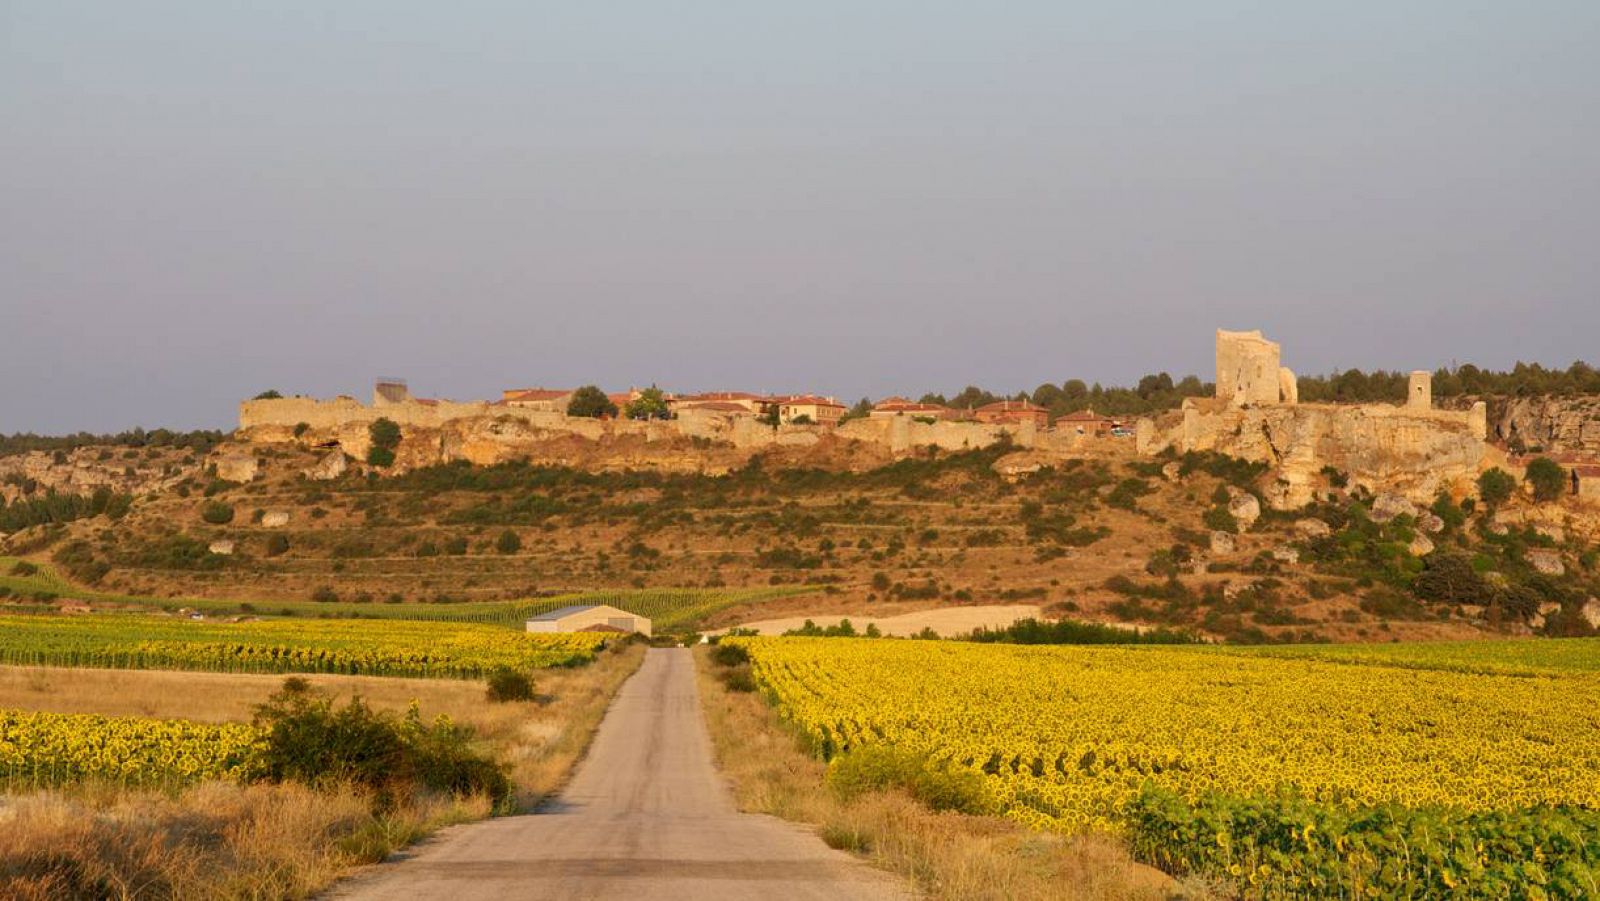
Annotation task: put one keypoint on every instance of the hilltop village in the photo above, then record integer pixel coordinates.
(1414, 449)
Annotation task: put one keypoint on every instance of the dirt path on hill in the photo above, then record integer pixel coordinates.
(647, 816)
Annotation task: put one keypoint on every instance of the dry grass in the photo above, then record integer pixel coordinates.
(948, 855)
(224, 841)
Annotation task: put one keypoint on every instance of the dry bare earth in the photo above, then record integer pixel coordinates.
(647, 816)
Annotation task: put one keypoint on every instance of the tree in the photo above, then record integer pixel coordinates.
(1548, 479)
(1495, 486)
(1450, 579)
(269, 394)
(509, 542)
(591, 402)
(385, 436)
(650, 404)
(861, 410)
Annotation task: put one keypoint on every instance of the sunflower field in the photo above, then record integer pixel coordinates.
(41, 749)
(1355, 774)
(350, 647)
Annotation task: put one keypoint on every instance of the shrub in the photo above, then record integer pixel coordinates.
(1495, 486)
(507, 684)
(877, 767)
(325, 595)
(1220, 520)
(307, 739)
(729, 655)
(216, 512)
(1548, 479)
(508, 542)
(277, 545)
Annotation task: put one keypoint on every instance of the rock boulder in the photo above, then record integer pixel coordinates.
(1223, 543)
(1386, 507)
(1547, 561)
(1245, 509)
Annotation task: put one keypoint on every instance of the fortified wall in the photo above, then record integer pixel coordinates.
(1413, 449)
(486, 433)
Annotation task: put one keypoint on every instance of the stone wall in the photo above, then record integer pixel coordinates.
(482, 432)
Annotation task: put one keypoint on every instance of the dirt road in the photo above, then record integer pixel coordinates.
(646, 817)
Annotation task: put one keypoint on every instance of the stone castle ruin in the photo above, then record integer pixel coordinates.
(1413, 449)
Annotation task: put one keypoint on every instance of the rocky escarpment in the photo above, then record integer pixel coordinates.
(1559, 425)
(85, 470)
(1382, 449)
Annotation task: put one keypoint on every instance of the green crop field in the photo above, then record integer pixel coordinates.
(669, 608)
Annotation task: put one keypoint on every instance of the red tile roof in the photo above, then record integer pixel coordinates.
(719, 395)
(1012, 406)
(719, 406)
(532, 394)
(900, 405)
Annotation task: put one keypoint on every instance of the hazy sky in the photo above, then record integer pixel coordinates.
(202, 200)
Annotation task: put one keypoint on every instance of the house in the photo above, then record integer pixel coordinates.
(1013, 412)
(549, 400)
(718, 409)
(1086, 422)
(750, 403)
(809, 407)
(589, 618)
(1586, 482)
(899, 406)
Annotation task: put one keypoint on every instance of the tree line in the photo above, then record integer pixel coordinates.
(1159, 391)
(200, 441)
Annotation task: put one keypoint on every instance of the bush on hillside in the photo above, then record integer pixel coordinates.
(1495, 486)
(1547, 478)
(509, 542)
(216, 512)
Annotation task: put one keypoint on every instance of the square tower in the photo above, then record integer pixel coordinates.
(1248, 368)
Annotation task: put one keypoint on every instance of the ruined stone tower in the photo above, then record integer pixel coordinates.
(1248, 370)
(390, 391)
(1419, 394)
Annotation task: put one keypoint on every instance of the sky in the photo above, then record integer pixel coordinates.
(203, 200)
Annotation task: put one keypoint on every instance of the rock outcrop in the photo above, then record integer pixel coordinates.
(1565, 425)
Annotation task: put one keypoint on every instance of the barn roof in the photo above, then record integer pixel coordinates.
(562, 612)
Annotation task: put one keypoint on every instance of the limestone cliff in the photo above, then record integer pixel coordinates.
(1559, 425)
(85, 469)
(1381, 448)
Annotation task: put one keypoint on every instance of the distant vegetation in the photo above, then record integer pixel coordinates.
(1159, 391)
(200, 441)
(1033, 631)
